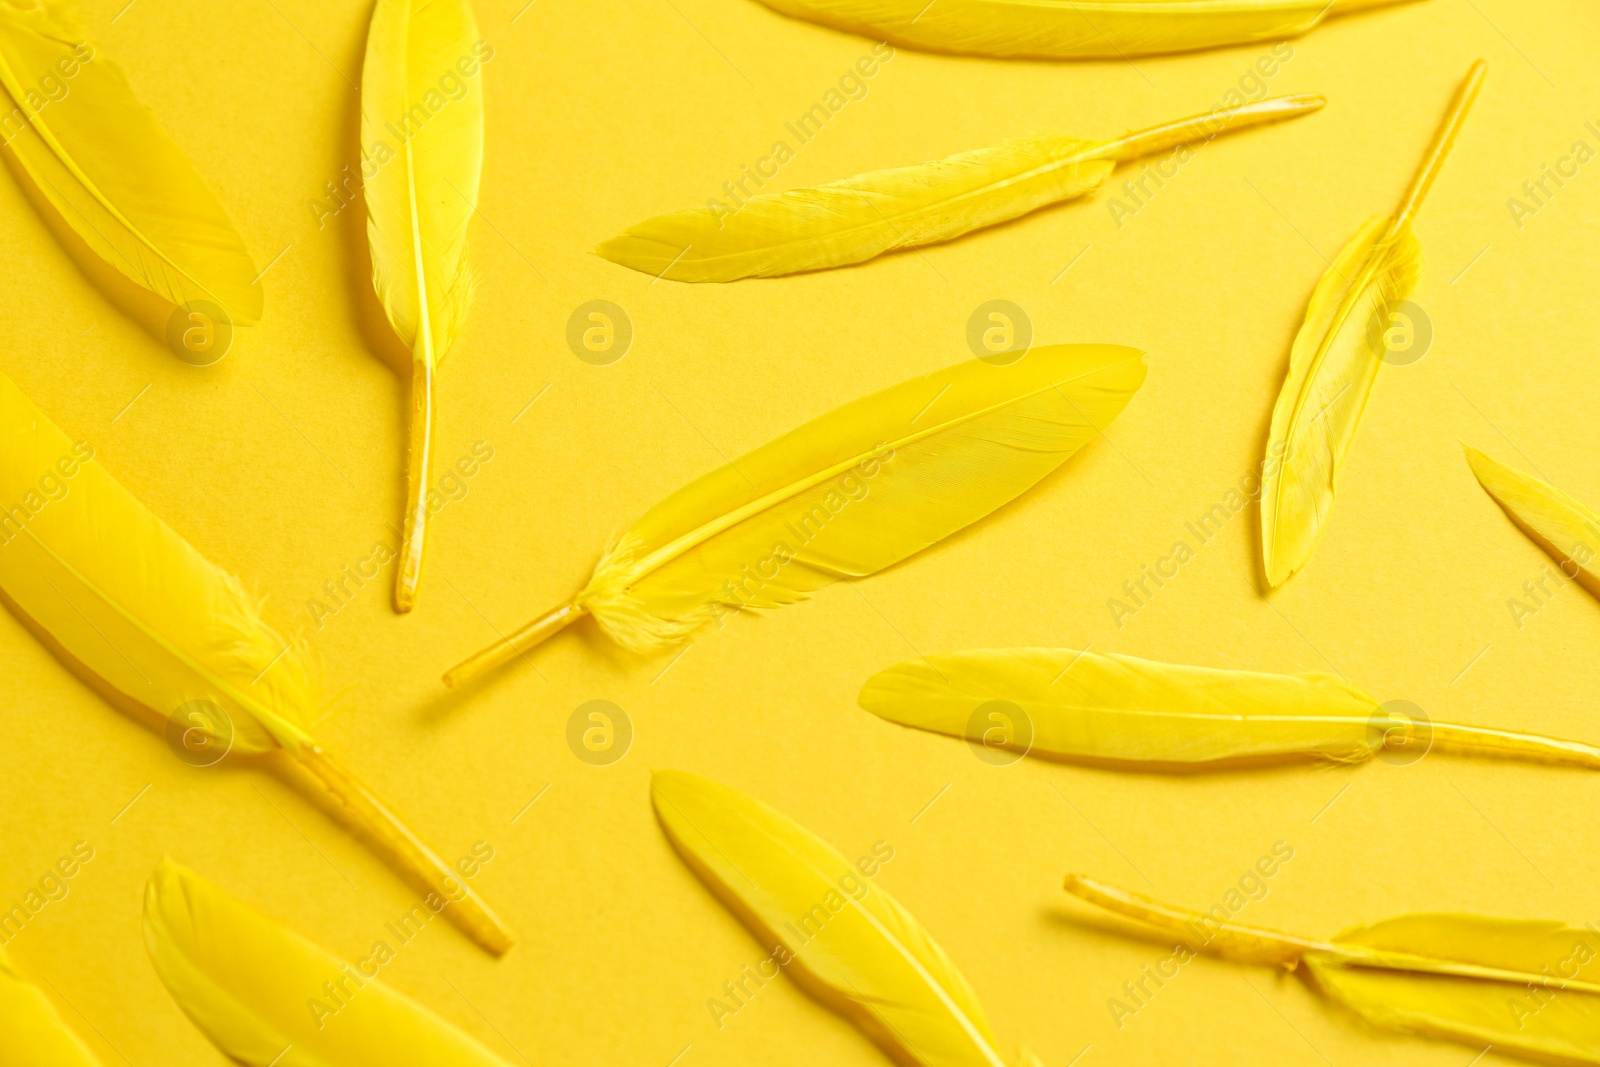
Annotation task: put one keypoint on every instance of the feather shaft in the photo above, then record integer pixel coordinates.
(1335, 360)
(853, 220)
(419, 459)
(844, 496)
(1259, 945)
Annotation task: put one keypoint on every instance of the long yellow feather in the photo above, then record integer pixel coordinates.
(1528, 986)
(853, 220)
(1067, 29)
(261, 992)
(159, 630)
(419, 205)
(1099, 707)
(846, 942)
(31, 1031)
(843, 496)
(1335, 361)
(1566, 529)
(108, 168)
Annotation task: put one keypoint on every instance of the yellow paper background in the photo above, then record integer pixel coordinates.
(283, 463)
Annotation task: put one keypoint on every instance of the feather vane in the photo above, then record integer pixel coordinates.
(856, 219)
(113, 174)
(258, 990)
(123, 600)
(845, 495)
(862, 953)
(1567, 530)
(1334, 363)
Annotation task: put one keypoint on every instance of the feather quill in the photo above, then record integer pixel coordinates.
(853, 220)
(843, 496)
(108, 168)
(156, 628)
(31, 1031)
(1101, 707)
(1066, 29)
(1521, 985)
(259, 990)
(419, 206)
(1335, 360)
(862, 954)
(1566, 529)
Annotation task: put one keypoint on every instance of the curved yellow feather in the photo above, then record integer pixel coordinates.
(1332, 368)
(845, 495)
(852, 945)
(856, 219)
(853, 220)
(31, 1031)
(1566, 529)
(110, 170)
(1067, 29)
(1094, 706)
(1528, 986)
(157, 628)
(267, 997)
(419, 205)
(1335, 362)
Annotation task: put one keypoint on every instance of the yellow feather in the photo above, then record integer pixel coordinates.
(1097, 707)
(113, 174)
(853, 946)
(853, 220)
(1090, 706)
(31, 1032)
(845, 495)
(1064, 29)
(259, 990)
(158, 629)
(419, 205)
(1524, 985)
(1564, 528)
(1335, 361)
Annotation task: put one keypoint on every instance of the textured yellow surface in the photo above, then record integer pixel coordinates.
(281, 463)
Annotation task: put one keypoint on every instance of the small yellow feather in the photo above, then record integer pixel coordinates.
(1335, 360)
(1058, 29)
(112, 173)
(853, 220)
(844, 496)
(31, 1031)
(1566, 529)
(1524, 986)
(428, 148)
(845, 941)
(260, 992)
(159, 630)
